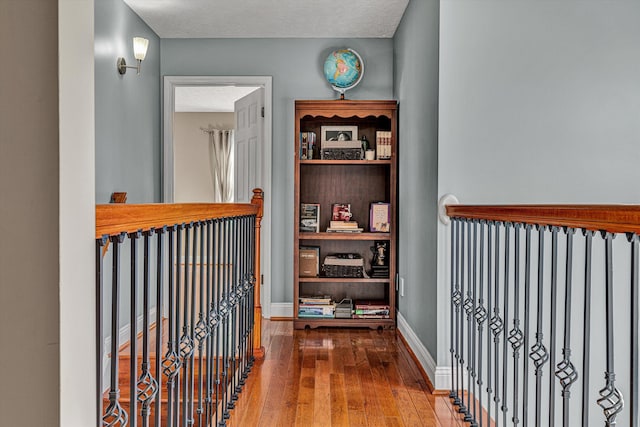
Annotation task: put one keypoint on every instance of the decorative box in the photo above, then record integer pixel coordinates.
(341, 154)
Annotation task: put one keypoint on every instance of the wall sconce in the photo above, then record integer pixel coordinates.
(140, 45)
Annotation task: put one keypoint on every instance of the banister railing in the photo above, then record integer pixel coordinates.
(544, 314)
(178, 315)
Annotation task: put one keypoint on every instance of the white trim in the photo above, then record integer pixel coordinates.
(281, 309)
(170, 84)
(438, 375)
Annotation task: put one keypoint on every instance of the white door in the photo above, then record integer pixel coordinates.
(248, 145)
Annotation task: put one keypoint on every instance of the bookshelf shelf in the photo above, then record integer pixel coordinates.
(358, 183)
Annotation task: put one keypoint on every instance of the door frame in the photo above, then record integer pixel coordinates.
(168, 177)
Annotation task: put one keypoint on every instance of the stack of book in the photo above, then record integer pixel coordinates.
(344, 227)
(371, 310)
(319, 306)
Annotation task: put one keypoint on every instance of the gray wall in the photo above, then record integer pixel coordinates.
(296, 68)
(127, 109)
(416, 88)
(539, 101)
(29, 215)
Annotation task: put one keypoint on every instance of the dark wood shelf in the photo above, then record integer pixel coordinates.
(342, 280)
(311, 322)
(343, 236)
(359, 183)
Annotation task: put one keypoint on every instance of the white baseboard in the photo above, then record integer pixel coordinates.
(282, 309)
(440, 376)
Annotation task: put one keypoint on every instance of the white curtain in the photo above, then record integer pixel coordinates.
(221, 163)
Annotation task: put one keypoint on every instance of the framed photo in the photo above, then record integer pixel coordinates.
(339, 137)
(341, 212)
(380, 217)
(310, 217)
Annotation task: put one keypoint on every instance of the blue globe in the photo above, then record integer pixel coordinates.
(343, 69)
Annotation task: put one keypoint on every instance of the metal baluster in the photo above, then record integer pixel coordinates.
(147, 384)
(179, 286)
(505, 364)
(100, 244)
(489, 309)
(202, 328)
(192, 321)
(453, 394)
(462, 408)
(611, 400)
(633, 239)
(516, 336)
(115, 415)
(496, 323)
(587, 327)
(539, 353)
(472, 330)
(252, 287)
(481, 317)
(525, 338)
(234, 310)
(565, 371)
(133, 337)
(553, 326)
(159, 297)
(457, 298)
(225, 321)
(186, 344)
(468, 308)
(208, 319)
(171, 362)
(218, 288)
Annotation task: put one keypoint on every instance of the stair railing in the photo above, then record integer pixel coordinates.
(540, 309)
(188, 295)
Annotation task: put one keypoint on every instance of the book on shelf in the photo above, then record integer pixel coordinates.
(345, 259)
(383, 144)
(344, 230)
(309, 261)
(319, 310)
(310, 217)
(341, 212)
(347, 225)
(371, 316)
(308, 145)
(316, 300)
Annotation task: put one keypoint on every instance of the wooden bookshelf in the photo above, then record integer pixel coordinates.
(357, 182)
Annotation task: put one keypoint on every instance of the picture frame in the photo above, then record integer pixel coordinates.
(309, 217)
(380, 217)
(339, 137)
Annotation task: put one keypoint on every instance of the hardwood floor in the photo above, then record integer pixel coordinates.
(338, 377)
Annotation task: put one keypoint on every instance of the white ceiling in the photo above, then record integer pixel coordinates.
(271, 18)
(218, 99)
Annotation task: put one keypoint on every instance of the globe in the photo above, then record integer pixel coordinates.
(343, 69)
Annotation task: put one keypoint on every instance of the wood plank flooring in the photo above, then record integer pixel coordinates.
(338, 377)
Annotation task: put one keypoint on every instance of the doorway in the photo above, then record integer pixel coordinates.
(172, 84)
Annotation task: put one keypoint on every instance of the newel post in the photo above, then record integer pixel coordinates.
(258, 349)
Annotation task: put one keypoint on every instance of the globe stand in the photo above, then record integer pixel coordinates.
(341, 96)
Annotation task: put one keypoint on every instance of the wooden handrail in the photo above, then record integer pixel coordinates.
(611, 218)
(113, 219)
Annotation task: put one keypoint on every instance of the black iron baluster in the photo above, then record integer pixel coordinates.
(462, 408)
(218, 288)
(133, 337)
(100, 244)
(192, 321)
(516, 336)
(159, 297)
(115, 415)
(180, 278)
(452, 392)
(496, 323)
(538, 352)
(202, 327)
(552, 326)
(208, 320)
(233, 311)
(171, 361)
(468, 308)
(565, 371)
(505, 317)
(587, 327)
(473, 329)
(489, 310)
(633, 240)
(147, 384)
(457, 299)
(186, 344)
(225, 320)
(611, 400)
(525, 337)
(481, 317)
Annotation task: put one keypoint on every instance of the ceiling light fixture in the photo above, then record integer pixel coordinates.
(140, 45)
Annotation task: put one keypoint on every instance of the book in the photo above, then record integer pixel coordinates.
(310, 217)
(345, 230)
(341, 212)
(316, 300)
(343, 224)
(309, 262)
(307, 145)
